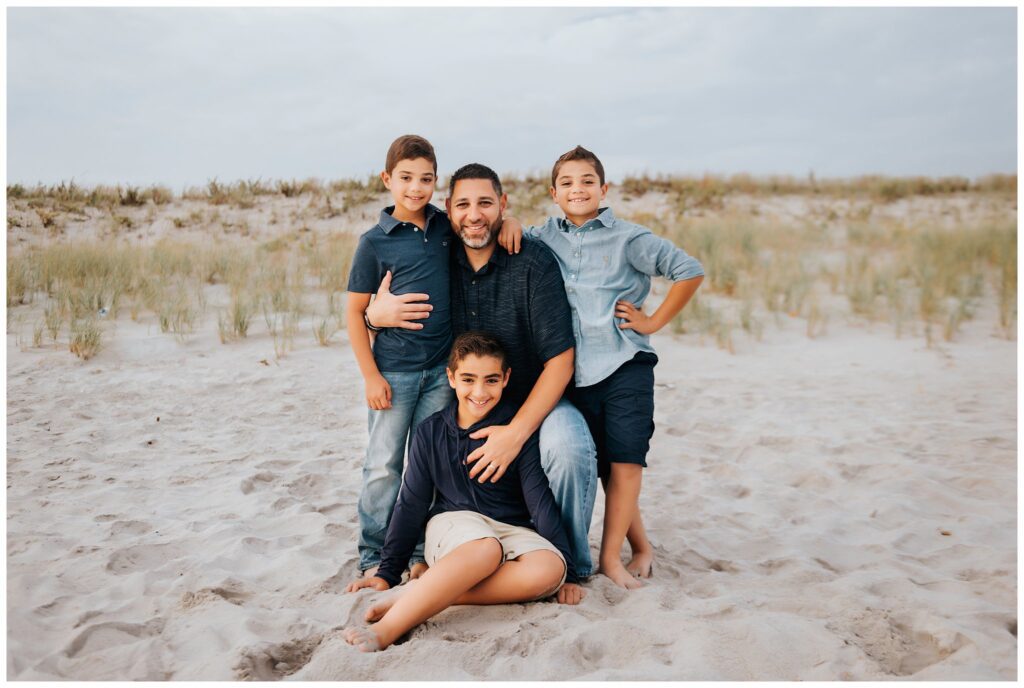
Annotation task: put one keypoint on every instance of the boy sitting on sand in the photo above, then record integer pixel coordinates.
(486, 543)
(404, 371)
(607, 265)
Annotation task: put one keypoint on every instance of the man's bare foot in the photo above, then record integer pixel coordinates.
(619, 575)
(363, 638)
(371, 572)
(642, 564)
(417, 570)
(385, 602)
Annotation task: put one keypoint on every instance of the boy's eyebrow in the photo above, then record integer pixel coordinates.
(565, 176)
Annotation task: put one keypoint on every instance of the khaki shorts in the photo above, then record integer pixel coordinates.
(451, 529)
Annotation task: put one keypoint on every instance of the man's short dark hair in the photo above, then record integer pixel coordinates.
(409, 147)
(475, 170)
(578, 153)
(475, 343)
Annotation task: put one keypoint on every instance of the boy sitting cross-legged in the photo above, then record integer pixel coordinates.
(486, 543)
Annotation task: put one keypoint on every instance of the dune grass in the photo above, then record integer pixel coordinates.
(842, 260)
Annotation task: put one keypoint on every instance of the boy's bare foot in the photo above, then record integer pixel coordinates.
(417, 570)
(371, 572)
(363, 638)
(619, 575)
(642, 564)
(385, 602)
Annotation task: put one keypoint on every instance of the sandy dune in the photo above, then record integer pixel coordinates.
(838, 508)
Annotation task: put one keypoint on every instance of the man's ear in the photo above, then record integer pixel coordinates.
(503, 203)
(386, 178)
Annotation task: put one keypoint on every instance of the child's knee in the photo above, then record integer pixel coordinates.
(544, 574)
(488, 551)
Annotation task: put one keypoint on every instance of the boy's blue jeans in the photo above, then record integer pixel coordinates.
(414, 396)
(569, 459)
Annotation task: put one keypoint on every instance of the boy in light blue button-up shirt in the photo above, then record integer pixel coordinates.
(607, 264)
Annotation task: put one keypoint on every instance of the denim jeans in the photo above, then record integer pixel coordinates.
(569, 459)
(414, 396)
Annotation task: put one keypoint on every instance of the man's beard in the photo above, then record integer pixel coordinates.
(484, 241)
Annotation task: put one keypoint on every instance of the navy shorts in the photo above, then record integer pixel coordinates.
(619, 411)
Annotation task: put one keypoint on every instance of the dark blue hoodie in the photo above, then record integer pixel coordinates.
(437, 461)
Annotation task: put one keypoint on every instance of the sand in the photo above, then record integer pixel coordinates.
(838, 508)
(841, 507)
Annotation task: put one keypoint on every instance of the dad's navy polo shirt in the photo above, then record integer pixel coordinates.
(521, 301)
(419, 262)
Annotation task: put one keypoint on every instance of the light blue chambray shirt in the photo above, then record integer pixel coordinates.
(605, 260)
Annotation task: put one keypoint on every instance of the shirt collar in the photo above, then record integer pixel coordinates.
(498, 259)
(605, 217)
(387, 221)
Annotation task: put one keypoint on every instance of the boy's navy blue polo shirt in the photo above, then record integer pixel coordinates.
(419, 263)
(521, 301)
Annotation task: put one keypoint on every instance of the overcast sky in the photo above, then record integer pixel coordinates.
(179, 96)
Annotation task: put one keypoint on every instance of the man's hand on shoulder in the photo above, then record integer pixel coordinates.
(492, 459)
(388, 310)
(571, 593)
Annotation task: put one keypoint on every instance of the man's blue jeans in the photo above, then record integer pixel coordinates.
(569, 459)
(414, 396)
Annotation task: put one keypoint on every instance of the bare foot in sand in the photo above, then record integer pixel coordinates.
(619, 575)
(385, 602)
(363, 638)
(370, 572)
(417, 570)
(642, 564)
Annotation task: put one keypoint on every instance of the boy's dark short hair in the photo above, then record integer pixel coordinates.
(578, 153)
(475, 170)
(476, 343)
(409, 147)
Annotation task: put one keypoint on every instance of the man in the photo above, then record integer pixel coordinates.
(521, 301)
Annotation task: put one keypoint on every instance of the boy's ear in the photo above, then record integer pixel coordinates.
(504, 383)
(554, 194)
(386, 178)
(451, 377)
(604, 190)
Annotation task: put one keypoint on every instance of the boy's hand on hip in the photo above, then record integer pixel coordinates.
(388, 310)
(374, 582)
(571, 593)
(636, 319)
(497, 453)
(378, 393)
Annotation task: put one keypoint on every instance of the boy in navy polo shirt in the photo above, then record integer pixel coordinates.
(487, 543)
(607, 265)
(404, 370)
